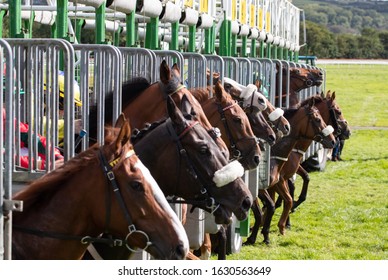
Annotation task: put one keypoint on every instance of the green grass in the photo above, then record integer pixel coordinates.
(345, 216)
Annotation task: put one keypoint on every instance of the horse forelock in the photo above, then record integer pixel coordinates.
(133, 88)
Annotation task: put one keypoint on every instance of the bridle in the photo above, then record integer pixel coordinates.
(107, 169)
(237, 154)
(207, 203)
(319, 134)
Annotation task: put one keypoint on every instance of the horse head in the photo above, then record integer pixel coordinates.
(339, 123)
(225, 113)
(144, 207)
(310, 124)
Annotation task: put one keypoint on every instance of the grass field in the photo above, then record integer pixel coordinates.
(345, 216)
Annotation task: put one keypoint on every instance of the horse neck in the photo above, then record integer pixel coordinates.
(148, 107)
(283, 148)
(53, 215)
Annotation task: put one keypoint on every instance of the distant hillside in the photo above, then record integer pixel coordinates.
(346, 16)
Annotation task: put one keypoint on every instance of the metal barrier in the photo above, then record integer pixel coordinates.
(100, 72)
(6, 92)
(36, 67)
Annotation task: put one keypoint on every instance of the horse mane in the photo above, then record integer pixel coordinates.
(290, 112)
(201, 94)
(317, 99)
(131, 89)
(45, 187)
(138, 134)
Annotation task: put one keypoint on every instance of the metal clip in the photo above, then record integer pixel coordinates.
(13, 205)
(110, 175)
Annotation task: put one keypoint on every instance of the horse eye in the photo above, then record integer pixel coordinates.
(136, 185)
(204, 150)
(237, 120)
(227, 86)
(318, 120)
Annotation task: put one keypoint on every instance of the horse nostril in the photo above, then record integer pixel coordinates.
(271, 138)
(246, 204)
(256, 159)
(180, 252)
(287, 127)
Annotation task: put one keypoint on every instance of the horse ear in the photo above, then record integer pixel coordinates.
(333, 96)
(165, 73)
(328, 94)
(186, 107)
(120, 120)
(173, 112)
(258, 84)
(311, 102)
(176, 70)
(123, 137)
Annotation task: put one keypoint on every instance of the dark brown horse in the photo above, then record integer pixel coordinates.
(306, 123)
(225, 113)
(103, 189)
(186, 163)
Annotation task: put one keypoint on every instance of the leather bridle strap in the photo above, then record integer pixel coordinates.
(112, 180)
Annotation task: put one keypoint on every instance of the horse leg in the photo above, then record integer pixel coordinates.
(258, 215)
(206, 247)
(221, 237)
(303, 194)
(282, 190)
(270, 210)
(291, 189)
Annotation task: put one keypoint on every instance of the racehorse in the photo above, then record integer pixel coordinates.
(300, 78)
(186, 163)
(332, 115)
(103, 189)
(252, 99)
(306, 123)
(225, 113)
(143, 102)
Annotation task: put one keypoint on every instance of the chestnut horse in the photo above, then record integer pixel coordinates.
(332, 115)
(103, 189)
(300, 78)
(306, 123)
(225, 113)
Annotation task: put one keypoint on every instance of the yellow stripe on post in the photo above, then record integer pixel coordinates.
(260, 19)
(204, 6)
(234, 9)
(189, 3)
(252, 16)
(268, 22)
(243, 11)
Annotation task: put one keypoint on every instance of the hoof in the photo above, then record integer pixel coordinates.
(266, 241)
(249, 242)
